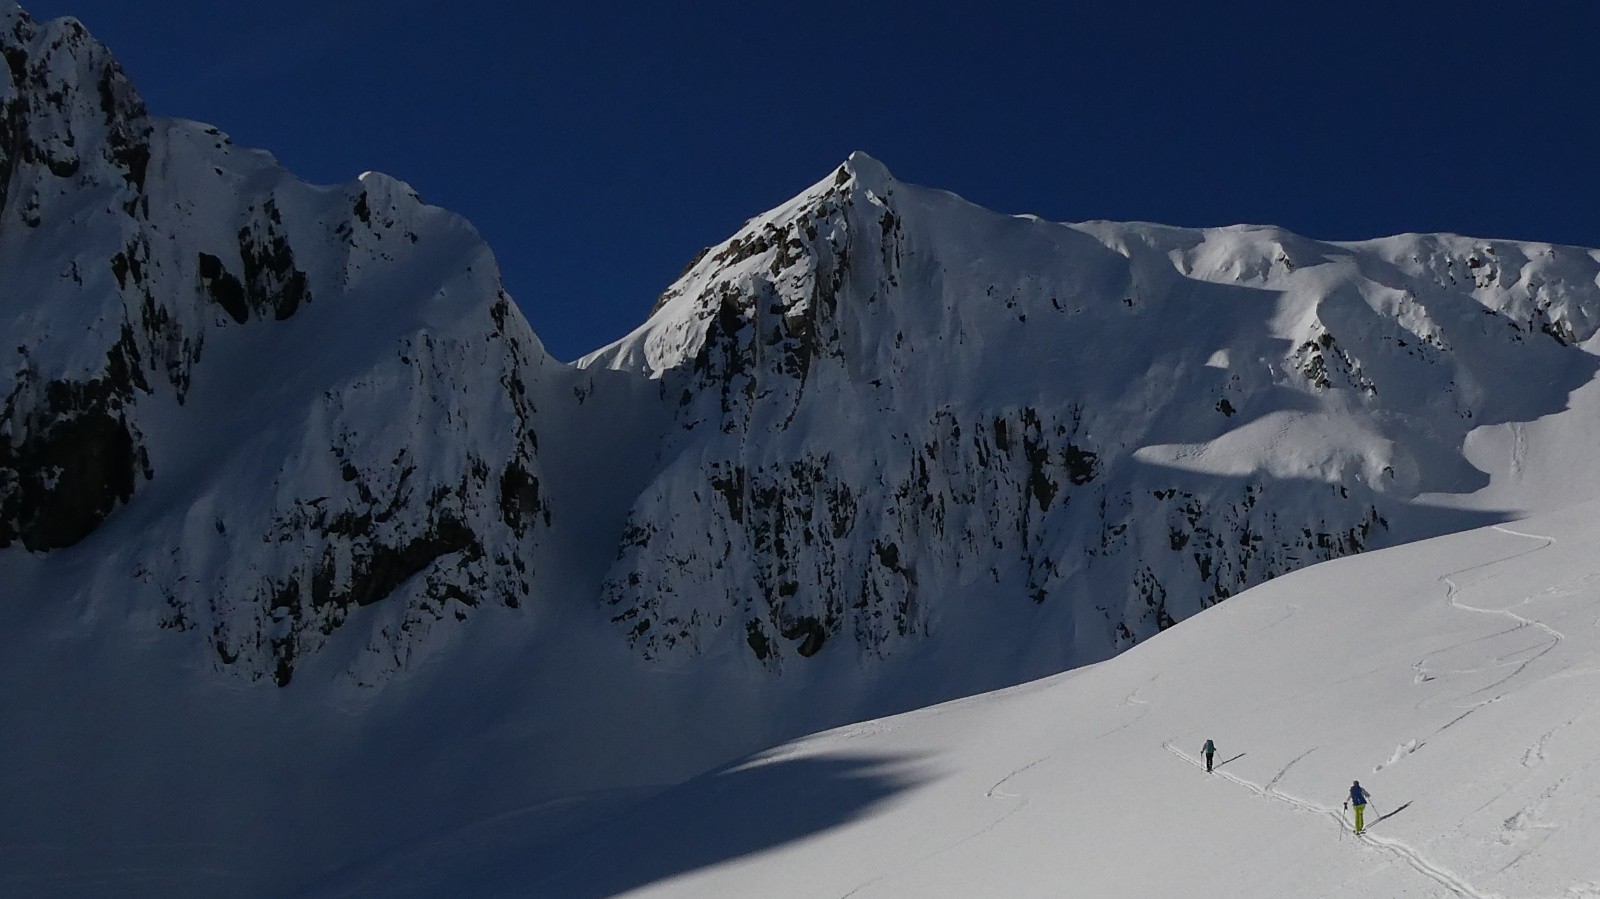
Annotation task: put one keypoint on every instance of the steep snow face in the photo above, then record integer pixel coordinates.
(898, 410)
(309, 398)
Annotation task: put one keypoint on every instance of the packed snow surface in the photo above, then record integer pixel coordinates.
(1454, 678)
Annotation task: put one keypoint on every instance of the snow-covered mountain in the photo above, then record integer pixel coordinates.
(898, 410)
(249, 376)
(295, 509)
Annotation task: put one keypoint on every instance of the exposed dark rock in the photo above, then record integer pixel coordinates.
(79, 460)
(757, 638)
(731, 486)
(809, 631)
(271, 281)
(223, 288)
(519, 497)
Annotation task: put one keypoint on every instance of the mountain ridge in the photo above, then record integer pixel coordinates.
(757, 319)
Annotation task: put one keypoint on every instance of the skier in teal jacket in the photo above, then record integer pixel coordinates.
(1210, 749)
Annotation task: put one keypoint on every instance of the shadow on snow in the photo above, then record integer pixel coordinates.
(739, 810)
(1387, 815)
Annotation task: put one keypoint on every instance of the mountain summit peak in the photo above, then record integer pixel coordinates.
(867, 171)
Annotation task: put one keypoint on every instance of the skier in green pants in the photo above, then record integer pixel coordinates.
(1358, 798)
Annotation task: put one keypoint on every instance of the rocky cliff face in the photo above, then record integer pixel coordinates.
(74, 158)
(310, 399)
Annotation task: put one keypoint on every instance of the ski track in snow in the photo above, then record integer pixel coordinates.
(1405, 852)
(1452, 596)
(994, 792)
(1291, 609)
(997, 791)
(1133, 697)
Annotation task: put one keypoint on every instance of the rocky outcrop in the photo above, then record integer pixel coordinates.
(71, 128)
(326, 386)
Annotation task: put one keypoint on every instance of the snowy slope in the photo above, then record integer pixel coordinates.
(309, 553)
(1454, 678)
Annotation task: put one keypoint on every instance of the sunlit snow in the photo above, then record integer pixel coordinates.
(1454, 678)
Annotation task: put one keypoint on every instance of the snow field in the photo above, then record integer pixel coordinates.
(1453, 678)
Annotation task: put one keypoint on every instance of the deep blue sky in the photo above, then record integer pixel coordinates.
(598, 146)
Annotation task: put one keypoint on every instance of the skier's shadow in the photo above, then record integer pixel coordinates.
(1234, 759)
(1397, 811)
